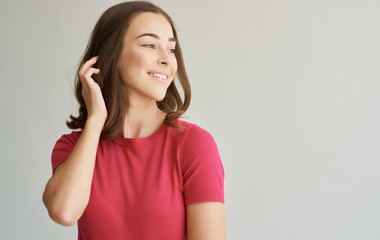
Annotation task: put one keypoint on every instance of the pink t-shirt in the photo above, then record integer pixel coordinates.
(141, 185)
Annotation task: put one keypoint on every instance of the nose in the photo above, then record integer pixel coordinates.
(163, 61)
(163, 57)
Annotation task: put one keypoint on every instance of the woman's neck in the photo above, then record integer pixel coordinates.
(142, 120)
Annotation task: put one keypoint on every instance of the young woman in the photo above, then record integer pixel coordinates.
(135, 171)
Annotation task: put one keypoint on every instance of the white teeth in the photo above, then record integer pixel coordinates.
(158, 75)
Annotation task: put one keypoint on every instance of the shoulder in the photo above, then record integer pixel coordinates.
(63, 147)
(69, 138)
(194, 131)
(195, 138)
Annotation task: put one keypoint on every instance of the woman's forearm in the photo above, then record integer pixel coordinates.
(68, 191)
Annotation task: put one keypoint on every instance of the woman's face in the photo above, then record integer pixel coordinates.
(147, 63)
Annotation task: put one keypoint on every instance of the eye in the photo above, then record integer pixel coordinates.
(149, 45)
(173, 50)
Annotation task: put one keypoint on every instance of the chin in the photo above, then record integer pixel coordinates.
(159, 97)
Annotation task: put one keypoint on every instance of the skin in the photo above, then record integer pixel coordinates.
(143, 54)
(68, 190)
(138, 57)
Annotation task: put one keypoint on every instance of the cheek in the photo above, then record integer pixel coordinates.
(133, 63)
(138, 59)
(175, 66)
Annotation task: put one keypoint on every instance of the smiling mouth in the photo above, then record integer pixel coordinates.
(158, 75)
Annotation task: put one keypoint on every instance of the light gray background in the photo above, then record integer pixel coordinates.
(289, 90)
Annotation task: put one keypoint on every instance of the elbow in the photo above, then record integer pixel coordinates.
(62, 218)
(58, 213)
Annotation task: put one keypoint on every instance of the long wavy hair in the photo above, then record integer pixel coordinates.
(106, 41)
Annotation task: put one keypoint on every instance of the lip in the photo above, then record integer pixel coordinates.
(160, 72)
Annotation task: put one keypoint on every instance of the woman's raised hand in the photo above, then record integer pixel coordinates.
(92, 95)
(68, 191)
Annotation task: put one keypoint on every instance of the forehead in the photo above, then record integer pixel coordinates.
(148, 22)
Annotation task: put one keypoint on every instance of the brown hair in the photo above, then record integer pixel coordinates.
(106, 41)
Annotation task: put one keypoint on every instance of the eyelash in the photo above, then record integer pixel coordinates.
(173, 49)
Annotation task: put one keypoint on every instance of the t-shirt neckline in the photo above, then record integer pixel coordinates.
(139, 141)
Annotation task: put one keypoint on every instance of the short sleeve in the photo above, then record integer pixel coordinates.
(62, 148)
(202, 168)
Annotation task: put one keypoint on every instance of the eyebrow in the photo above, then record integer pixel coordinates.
(156, 36)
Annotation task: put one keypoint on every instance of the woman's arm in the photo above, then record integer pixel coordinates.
(206, 221)
(68, 191)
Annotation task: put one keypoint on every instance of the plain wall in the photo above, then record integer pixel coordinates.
(289, 90)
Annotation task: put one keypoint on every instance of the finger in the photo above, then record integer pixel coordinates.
(88, 64)
(91, 61)
(91, 71)
(86, 78)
